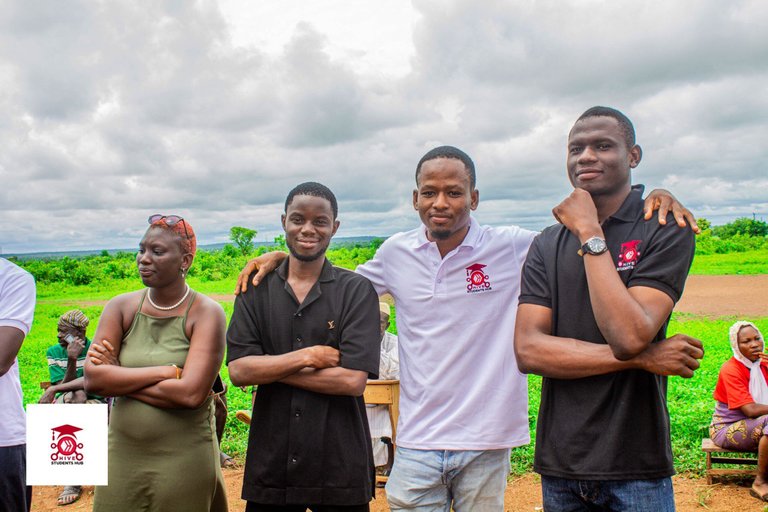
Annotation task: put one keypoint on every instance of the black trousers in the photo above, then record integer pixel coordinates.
(257, 507)
(15, 494)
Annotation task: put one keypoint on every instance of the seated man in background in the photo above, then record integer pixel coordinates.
(65, 365)
(378, 415)
(65, 362)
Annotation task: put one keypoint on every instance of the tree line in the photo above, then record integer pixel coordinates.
(741, 235)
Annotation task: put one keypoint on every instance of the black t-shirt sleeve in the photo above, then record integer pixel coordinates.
(665, 260)
(360, 338)
(243, 336)
(534, 287)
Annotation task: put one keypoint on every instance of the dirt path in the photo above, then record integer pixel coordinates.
(523, 494)
(712, 296)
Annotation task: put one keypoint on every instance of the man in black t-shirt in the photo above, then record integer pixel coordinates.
(309, 338)
(597, 292)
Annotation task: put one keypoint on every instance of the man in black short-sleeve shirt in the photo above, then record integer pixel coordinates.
(597, 292)
(309, 338)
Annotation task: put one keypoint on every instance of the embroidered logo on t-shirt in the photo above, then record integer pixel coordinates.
(478, 280)
(331, 324)
(628, 256)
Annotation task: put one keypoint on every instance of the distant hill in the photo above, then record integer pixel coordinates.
(337, 242)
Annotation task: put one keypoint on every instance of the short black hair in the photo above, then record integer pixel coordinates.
(449, 152)
(312, 188)
(624, 123)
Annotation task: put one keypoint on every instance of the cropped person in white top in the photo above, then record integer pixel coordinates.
(17, 307)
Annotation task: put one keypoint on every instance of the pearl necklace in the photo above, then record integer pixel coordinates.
(168, 308)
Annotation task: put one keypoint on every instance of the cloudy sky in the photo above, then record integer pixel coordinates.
(114, 110)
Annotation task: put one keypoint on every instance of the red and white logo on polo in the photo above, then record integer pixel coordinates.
(478, 280)
(628, 255)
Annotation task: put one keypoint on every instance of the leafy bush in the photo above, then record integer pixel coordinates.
(742, 226)
(708, 243)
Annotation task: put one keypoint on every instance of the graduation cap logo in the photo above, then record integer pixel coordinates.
(629, 255)
(65, 444)
(478, 280)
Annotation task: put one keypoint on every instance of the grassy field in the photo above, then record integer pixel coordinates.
(734, 263)
(690, 400)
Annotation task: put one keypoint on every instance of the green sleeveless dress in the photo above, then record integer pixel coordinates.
(160, 460)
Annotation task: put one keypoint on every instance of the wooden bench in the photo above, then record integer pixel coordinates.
(719, 455)
(385, 392)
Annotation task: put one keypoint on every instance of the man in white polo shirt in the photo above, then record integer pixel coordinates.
(17, 307)
(463, 402)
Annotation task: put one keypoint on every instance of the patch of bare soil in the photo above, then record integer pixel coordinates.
(716, 296)
(523, 495)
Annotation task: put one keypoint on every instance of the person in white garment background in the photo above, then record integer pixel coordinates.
(389, 369)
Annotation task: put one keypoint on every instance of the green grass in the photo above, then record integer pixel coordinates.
(750, 262)
(690, 400)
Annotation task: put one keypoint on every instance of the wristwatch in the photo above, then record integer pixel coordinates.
(594, 245)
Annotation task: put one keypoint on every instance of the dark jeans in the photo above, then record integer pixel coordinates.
(256, 507)
(566, 495)
(15, 495)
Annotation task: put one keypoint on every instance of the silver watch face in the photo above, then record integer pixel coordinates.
(596, 245)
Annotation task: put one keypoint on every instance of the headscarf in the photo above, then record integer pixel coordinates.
(75, 319)
(758, 387)
(185, 232)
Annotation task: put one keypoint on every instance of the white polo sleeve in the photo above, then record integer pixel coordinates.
(17, 297)
(374, 270)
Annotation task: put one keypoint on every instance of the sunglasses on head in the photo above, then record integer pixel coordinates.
(170, 220)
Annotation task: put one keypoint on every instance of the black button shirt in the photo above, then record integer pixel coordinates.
(306, 447)
(613, 426)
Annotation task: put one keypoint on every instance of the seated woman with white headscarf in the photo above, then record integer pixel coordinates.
(740, 421)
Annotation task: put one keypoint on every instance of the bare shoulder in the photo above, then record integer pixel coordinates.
(125, 303)
(119, 313)
(206, 306)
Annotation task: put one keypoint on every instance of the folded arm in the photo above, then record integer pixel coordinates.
(541, 353)
(628, 318)
(330, 381)
(112, 379)
(266, 369)
(206, 352)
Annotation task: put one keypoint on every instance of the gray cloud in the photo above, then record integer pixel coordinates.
(112, 111)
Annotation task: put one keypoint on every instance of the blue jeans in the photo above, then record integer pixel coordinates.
(435, 480)
(566, 495)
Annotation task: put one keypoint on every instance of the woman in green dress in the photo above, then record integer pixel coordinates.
(158, 350)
